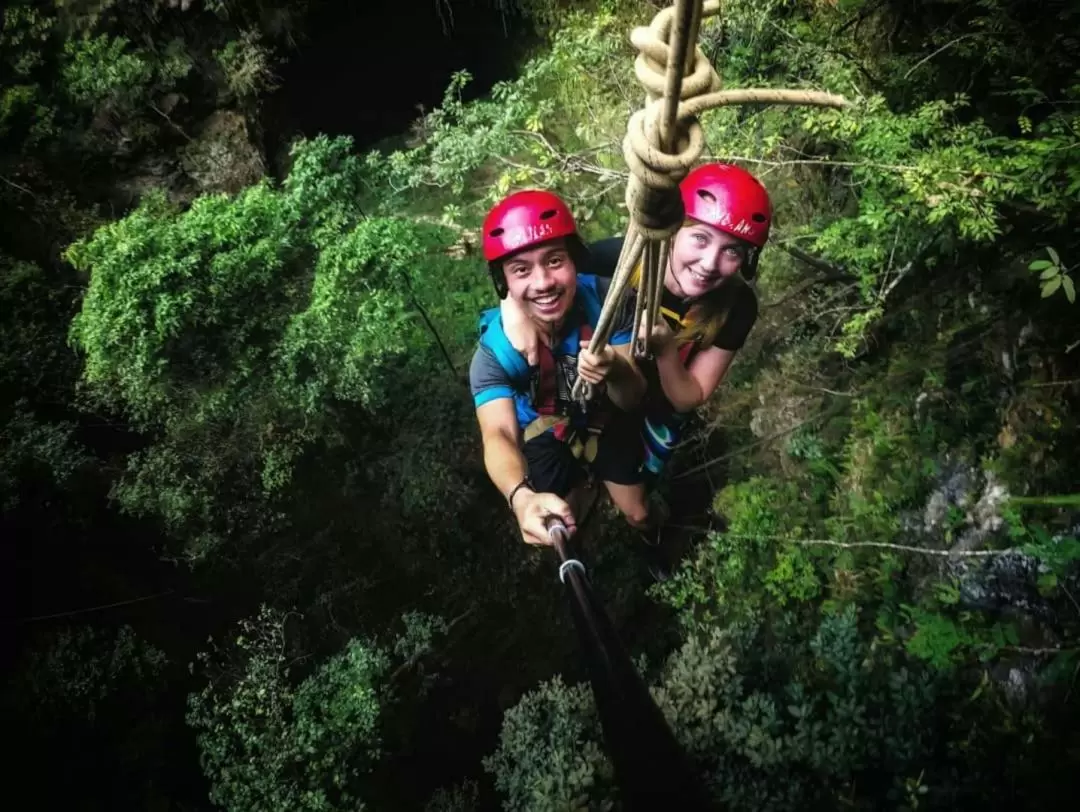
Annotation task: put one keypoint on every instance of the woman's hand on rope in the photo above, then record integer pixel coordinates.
(533, 511)
(520, 330)
(594, 367)
(662, 341)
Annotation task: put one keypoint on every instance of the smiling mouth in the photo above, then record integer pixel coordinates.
(703, 278)
(547, 302)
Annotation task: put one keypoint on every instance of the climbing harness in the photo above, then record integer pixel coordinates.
(663, 141)
(651, 768)
(542, 397)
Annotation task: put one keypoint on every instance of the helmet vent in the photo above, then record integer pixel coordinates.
(496, 232)
(547, 215)
(758, 217)
(706, 195)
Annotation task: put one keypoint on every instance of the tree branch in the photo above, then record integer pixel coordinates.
(926, 59)
(73, 612)
(833, 274)
(901, 547)
(716, 460)
(409, 663)
(815, 262)
(20, 187)
(174, 125)
(430, 325)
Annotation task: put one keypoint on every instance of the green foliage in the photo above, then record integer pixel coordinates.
(549, 756)
(276, 351)
(101, 71)
(809, 738)
(247, 65)
(33, 363)
(751, 565)
(45, 448)
(356, 321)
(463, 797)
(834, 719)
(33, 353)
(267, 744)
(886, 463)
(81, 672)
(932, 173)
(139, 305)
(565, 99)
(945, 643)
(24, 30)
(23, 38)
(421, 629)
(1059, 553)
(239, 328)
(1053, 275)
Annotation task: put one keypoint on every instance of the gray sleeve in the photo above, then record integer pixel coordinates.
(487, 379)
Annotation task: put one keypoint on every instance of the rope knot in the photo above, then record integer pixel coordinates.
(652, 192)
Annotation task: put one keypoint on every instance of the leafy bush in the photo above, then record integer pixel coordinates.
(246, 63)
(236, 330)
(752, 565)
(101, 71)
(549, 755)
(269, 746)
(77, 673)
(794, 723)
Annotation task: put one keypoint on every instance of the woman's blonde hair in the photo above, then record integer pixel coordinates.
(707, 316)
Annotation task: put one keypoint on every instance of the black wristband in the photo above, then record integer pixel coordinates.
(525, 483)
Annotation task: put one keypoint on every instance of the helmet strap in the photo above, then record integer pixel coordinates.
(749, 270)
(498, 279)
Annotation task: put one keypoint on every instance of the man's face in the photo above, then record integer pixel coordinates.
(543, 281)
(703, 258)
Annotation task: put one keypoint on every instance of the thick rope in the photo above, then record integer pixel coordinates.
(663, 142)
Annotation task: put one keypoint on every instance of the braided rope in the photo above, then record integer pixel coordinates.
(663, 142)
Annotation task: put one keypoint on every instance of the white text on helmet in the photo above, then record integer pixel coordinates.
(516, 236)
(721, 218)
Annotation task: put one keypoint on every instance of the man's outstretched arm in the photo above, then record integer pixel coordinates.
(507, 468)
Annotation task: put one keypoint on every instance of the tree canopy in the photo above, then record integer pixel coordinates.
(257, 561)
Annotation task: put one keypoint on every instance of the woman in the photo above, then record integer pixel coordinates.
(708, 305)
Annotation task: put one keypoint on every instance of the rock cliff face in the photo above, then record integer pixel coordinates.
(964, 514)
(223, 157)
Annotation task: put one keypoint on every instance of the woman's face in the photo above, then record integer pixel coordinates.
(702, 259)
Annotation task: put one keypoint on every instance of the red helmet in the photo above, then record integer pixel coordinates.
(730, 199)
(525, 219)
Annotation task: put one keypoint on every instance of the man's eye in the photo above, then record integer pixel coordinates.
(700, 241)
(556, 260)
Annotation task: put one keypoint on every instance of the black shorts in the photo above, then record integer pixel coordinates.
(553, 468)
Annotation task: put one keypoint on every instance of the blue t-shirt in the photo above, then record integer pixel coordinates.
(489, 380)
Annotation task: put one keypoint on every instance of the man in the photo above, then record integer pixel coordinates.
(538, 442)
